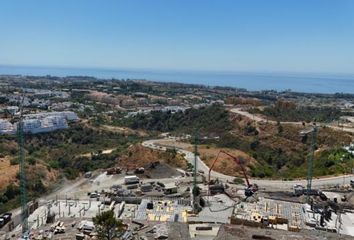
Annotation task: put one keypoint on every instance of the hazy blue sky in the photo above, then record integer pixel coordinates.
(263, 35)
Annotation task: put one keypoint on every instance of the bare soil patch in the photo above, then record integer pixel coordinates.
(7, 172)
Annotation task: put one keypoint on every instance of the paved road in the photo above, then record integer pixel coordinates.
(262, 183)
(258, 118)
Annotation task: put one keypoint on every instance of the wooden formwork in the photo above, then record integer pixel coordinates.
(245, 222)
(294, 228)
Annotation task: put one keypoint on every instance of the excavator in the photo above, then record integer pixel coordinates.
(251, 188)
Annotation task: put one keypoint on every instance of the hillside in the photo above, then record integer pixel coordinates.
(225, 164)
(8, 172)
(287, 111)
(139, 156)
(278, 150)
(212, 120)
(56, 155)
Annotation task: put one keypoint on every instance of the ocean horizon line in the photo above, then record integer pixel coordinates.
(252, 81)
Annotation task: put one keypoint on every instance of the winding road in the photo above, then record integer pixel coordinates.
(269, 185)
(259, 119)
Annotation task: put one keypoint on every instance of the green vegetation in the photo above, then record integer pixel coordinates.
(7, 204)
(70, 152)
(63, 150)
(211, 119)
(287, 111)
(107, 226)
(281, 154)
(270, 160)
(327, 162)
(278, 163)
(334, 161)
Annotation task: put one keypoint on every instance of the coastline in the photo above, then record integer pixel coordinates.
(252, 81)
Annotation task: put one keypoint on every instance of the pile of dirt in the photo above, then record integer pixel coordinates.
(160, 170)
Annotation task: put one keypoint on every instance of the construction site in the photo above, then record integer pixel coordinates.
(202, 204)
(157, 201)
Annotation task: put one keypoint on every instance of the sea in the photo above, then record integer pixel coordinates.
(252, 81)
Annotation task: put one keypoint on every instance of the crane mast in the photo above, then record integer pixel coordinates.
(310, 162)
(23, 190)
(22, 172)
(313, 131)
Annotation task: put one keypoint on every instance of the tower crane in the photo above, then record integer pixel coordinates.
(313, 131)
(251, 188)
(22, 171)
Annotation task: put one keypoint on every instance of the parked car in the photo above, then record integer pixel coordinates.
(5, 218)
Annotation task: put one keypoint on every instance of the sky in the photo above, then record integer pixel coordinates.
(217, 35)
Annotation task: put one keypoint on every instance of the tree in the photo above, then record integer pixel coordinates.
(172, 152)
(12, 191)
(280, 129)
(107, 226)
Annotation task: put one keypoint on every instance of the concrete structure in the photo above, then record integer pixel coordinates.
(280, 214)
(46, 93)
(162, 211)
(6, 127)
(68, 115)
(12, 109)
(218, 209)
(47, 124)
(40, 122)
(174, 109)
